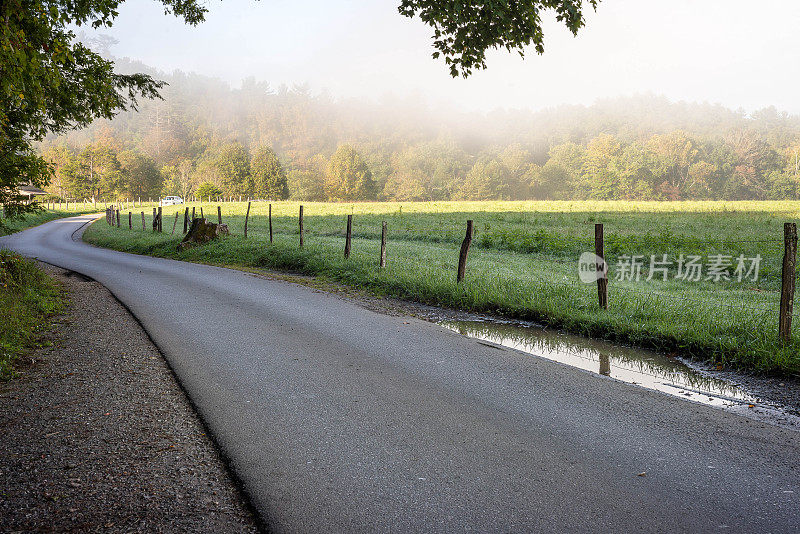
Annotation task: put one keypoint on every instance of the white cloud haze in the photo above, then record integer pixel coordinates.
(737, 53)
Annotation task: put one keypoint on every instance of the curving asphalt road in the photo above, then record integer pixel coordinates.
(336, 418)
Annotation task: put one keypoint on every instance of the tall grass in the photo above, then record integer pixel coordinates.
(524, 264)
(28, 297)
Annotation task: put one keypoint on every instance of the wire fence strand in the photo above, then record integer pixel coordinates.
(533, 242)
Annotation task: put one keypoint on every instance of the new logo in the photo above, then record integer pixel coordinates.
(591, 268)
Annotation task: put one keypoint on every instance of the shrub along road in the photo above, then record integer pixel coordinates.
(340, 418)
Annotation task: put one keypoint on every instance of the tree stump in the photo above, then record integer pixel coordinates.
(201, 232)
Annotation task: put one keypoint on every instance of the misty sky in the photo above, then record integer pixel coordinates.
(734, 52)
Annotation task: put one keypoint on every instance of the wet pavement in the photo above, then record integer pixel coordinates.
(649, 369)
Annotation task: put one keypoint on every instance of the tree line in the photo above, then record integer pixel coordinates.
(104, 171)
(260, 142)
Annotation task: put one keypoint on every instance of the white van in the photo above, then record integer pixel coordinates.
(169, 201)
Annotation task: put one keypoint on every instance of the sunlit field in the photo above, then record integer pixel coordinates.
(524, 263)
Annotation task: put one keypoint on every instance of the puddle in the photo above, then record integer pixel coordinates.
(635, 366)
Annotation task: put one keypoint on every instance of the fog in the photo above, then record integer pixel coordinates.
(651, 101)
(736, 53)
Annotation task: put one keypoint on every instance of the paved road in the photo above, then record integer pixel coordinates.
(337, 418)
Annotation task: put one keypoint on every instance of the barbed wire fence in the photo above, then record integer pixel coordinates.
(763, 300)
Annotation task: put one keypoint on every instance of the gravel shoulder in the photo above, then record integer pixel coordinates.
(98, 436)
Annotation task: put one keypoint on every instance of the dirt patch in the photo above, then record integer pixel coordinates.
(97, 435)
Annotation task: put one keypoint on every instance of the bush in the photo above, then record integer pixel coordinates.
(207, 189)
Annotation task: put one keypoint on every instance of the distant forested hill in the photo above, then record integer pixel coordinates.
(264, 141)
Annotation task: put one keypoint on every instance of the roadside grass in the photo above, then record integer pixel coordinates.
(40, 217)
(28, 299)
(524, 264)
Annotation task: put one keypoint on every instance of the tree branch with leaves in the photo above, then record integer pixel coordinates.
(51, 83)
(464, 31)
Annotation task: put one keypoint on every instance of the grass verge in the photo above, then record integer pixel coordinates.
(733, 324)
(36, 218)
(28, 299)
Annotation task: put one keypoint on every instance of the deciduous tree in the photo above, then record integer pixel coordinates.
(62, 161)
(140, 176)
(268, 176)
(180, 179)
(348, 177)
(50, 82)
(208, 190)
(232, 163)
(98, 173)
(486, 181)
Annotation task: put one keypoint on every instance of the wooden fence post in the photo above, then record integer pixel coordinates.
(186, 220)
(193, 212)
(787, 280)
(462, 257)
(174, 223)
(605, 364)
(143, 226)
(602, 280)
(201, 213)
(119, 225)
(219, 214)
(159, 219)
(270, 223)
(348, 236)
(246, 217)
(155, 219)
(130, 220)
(383, 245)
(301, 226)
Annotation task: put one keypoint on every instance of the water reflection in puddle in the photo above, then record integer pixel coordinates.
(628, 364)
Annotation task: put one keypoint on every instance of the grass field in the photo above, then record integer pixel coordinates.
(28, 297)
(524, 263)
